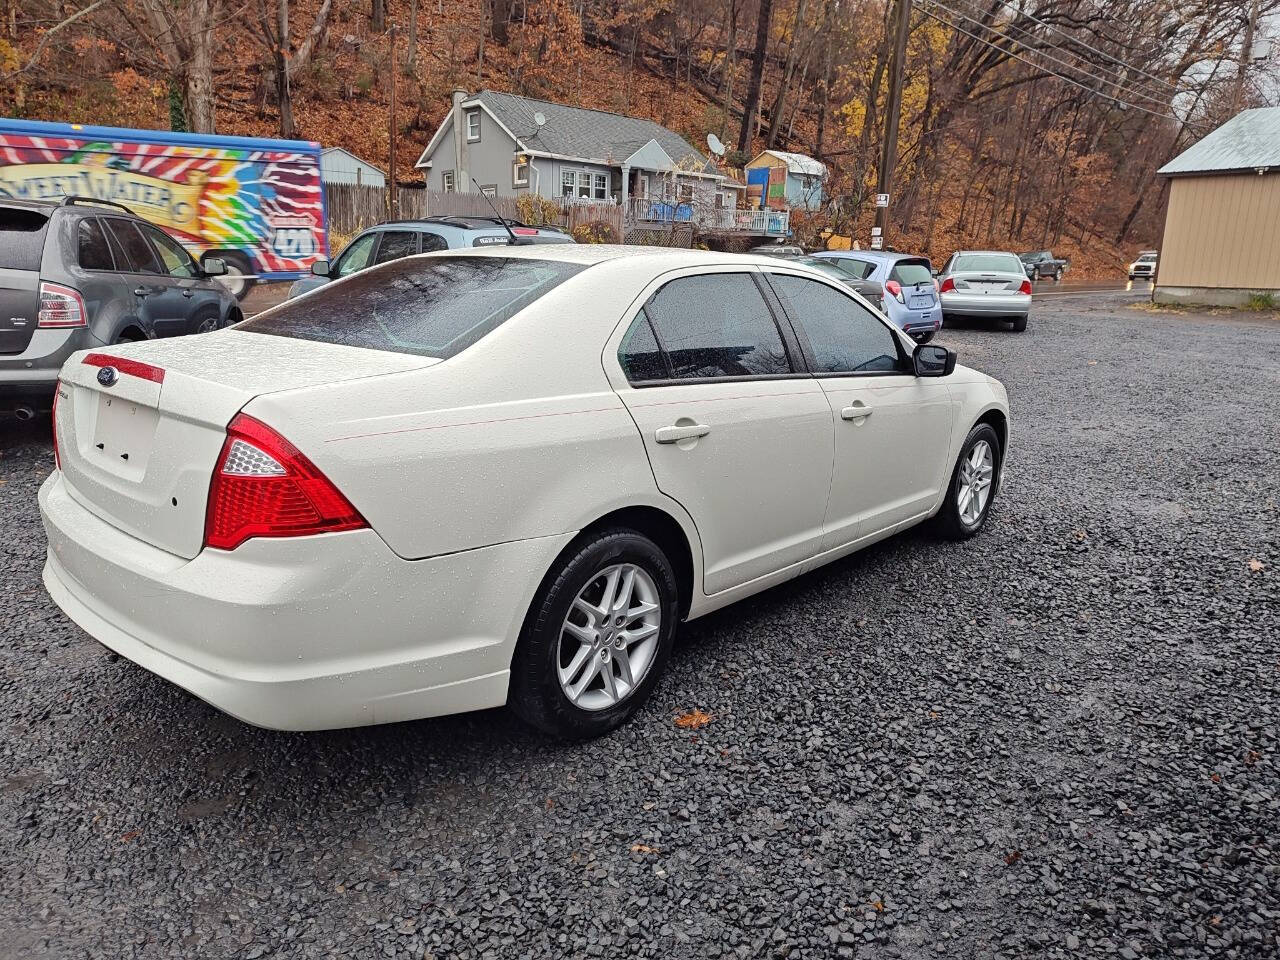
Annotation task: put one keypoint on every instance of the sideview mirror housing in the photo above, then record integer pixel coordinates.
(320, 268)
(213, 267)
(933, 360)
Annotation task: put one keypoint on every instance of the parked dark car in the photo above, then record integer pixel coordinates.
(81, 273)
(1042, 264)
(404, 238)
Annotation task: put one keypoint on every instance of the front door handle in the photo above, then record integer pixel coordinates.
(142, 291)
(675, 434)
(856, 411)
(188, 292)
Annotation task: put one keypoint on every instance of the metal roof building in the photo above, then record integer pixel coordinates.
(342, 166)
(1222, 227)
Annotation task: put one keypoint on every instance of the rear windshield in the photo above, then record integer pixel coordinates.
(911, 272)
(429, 306)
(987, 263)
(21, 238)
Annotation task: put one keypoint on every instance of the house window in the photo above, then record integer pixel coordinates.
(520, 174)
(489, 189)
(686, 192)
(446, 181)
(584, 185)
(473, 126)
(567, 180)
(600, 187)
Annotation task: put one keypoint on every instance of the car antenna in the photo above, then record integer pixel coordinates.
(515, 241)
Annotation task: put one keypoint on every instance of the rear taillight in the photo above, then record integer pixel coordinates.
(894, 289)
(947, 285)
(1026, 287)
(60, 306)
(936, 288)
(264, 487)
(57, 459)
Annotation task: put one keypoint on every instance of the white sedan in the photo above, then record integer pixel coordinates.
(494, 476)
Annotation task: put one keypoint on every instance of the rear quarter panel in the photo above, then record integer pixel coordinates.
(519, 436)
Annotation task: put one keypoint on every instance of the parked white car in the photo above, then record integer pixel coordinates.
(470, 478)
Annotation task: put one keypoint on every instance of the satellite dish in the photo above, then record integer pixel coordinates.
(540, 118)
(714, 145)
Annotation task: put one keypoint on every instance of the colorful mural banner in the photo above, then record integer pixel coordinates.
(175, 206)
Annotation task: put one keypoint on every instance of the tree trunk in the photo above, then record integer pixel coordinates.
(788, 73)
(283, 97)
(302, 58)
(824, 87)
(411, 51)
(197, 76)
(730, 67)
(378, 16)
(751, 109)
(500, 18)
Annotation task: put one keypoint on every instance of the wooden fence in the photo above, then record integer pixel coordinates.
(353, 207)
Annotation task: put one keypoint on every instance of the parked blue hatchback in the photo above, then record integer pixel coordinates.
(901, 284)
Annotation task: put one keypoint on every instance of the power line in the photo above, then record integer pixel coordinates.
(1045, 70)
(1133, 92)
(1178, 87)
(1136, 86)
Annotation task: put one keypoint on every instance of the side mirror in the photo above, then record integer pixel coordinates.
(932, 360)
(320, 268)
(213, 267)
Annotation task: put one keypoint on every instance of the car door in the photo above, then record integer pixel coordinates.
(735, 431)
(201, 298)
(892, 429)
(161, 307)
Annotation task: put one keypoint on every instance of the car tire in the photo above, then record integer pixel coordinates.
(206, 322)
(1057, 275)
(1020, 323)
(558, 672)
(1131, 276)
(957, 520)
(237, 279)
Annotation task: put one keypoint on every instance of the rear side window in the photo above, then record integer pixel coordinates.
(858, 269)
(138, 253)
(21, 238)
(717, 325)
(433, 307)
(987, 263)
(396, 244)
(431, 242)
(845, 336)
(911, 272)
(94, 251)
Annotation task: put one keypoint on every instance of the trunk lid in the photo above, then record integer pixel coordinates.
(139, 450)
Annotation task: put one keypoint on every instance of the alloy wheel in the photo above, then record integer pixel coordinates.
(976, 474)
(610, 637)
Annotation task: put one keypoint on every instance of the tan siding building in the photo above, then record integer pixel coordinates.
(1222, 229)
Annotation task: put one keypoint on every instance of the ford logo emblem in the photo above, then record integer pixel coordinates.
(108, 376)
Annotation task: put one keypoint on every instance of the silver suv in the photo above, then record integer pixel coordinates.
(81, 273)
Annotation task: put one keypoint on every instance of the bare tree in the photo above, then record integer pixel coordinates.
(182, 33)
(788, 71)
(751, 109)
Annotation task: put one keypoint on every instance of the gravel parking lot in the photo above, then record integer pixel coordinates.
(1060, 739)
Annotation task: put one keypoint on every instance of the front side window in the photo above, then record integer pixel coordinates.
(473, 126)
(396, 244)
(139, 256)
(428, 306)
(717, 325)
(94, 251)
(177, 262)
(844, 336)
(356, 256)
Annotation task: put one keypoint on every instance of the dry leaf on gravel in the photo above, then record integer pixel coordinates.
(693, 720)
(643, 848)
(1256, 565)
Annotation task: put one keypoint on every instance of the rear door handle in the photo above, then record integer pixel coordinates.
(188, 292)
(856, 411)
(676, 434)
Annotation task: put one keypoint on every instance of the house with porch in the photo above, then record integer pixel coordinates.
(780, 180)
(508, 145)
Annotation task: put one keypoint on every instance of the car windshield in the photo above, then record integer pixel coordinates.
(1030, 257)
(986, 263)
(429, 306)
(21, 238)
(1147, 258)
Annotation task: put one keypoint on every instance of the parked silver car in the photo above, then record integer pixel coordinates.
(986, 283)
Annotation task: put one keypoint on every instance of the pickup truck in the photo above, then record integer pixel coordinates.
(1043, 264)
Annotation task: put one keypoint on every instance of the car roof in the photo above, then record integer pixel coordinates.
(460, 223)
(81, 205)
(884, 256)
(1004, 253)
(588, 254)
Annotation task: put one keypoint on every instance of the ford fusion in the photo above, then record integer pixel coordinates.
(494, 476)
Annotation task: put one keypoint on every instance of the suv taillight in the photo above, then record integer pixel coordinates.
(60, 306)
(264, 487)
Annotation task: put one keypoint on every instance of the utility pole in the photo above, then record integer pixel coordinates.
(1246, 57)
(889, 155)
(393, 195)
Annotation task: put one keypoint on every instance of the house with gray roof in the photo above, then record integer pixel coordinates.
(509, 145)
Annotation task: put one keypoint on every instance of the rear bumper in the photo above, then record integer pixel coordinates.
(917, 320)
(29, 378)
(986, 305)
(304, 634)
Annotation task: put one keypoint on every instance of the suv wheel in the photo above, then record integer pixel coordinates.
(597, 637)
